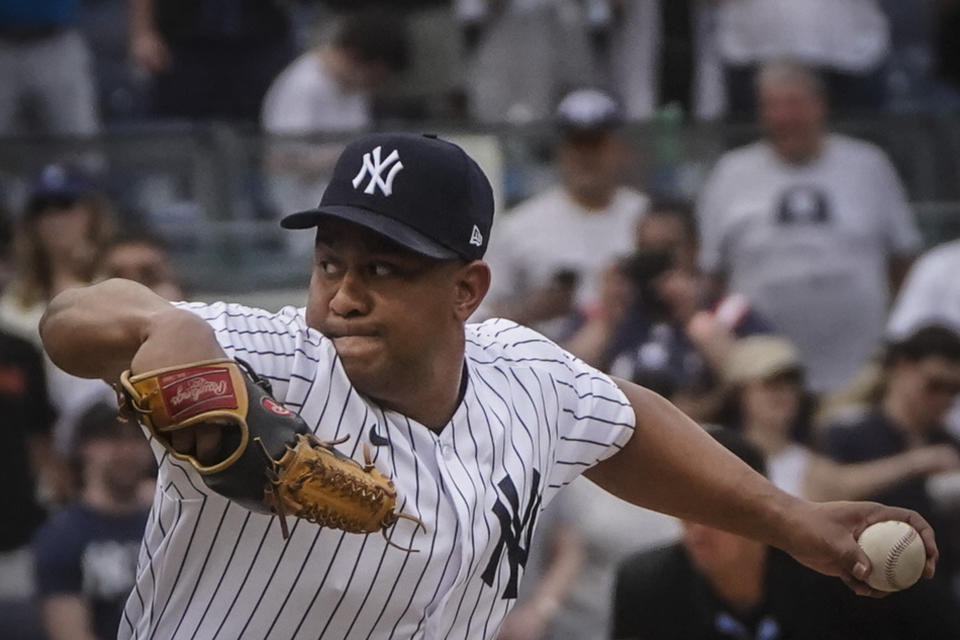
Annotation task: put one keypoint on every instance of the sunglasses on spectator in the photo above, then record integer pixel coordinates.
(51, 203)
(942, 386)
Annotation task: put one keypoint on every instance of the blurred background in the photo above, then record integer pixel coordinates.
(750, 206)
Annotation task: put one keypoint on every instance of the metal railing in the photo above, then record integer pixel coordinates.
(216, 191)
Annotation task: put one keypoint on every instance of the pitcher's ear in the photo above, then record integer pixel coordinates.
(473, 282)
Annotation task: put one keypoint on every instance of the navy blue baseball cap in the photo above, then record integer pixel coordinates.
(421, 192)
(58, 183)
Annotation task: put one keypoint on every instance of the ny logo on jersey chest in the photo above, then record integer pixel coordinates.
(374, 167)
(515, 532)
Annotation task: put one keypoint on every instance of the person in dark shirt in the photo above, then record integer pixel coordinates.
(210, 58)
(662, 343)
(26, 417)
(716, 585)
(86, 555)
(921, 381)
(48, 85)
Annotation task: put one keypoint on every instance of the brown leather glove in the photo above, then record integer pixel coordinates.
(268, 460)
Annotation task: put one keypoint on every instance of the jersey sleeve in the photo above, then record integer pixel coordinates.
(595, 421)
(583, 417)
(267, 341)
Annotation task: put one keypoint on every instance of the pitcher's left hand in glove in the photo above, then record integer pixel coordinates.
(267, 460)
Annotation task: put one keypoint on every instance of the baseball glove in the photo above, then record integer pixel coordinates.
(269, 461)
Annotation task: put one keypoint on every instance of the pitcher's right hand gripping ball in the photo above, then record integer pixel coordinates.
(268, 459)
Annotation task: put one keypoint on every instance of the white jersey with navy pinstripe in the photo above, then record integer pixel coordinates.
(532, 418)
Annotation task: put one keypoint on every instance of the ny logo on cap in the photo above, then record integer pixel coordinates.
(373, 166)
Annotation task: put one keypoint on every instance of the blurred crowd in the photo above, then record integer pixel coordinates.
(76, 66)
(789, 305)
(784, 305)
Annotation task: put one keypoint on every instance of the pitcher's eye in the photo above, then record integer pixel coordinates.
(327, 267)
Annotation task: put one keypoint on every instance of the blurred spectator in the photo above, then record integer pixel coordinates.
(716, 585)
(650, 328)
(652, 346)
(669, 225)
(142, 258)
(921, 381)
(948, 49)
(847, 40)
(584, 534)
(930, 293)
(209, 58)
(659, 53)
(45, 65)
(122, 88)
(86, 555)
(328, 89)
(549, 253)
(27, 418)
(61, 236)
(814, 228)
(522, 55)
(912, 68)
(6, 249)
(768, 405)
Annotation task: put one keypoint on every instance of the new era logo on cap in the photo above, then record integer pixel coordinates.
(420, 192)
(373, 167)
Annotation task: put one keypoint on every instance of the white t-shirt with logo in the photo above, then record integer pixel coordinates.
(850, 35)
(809, 245)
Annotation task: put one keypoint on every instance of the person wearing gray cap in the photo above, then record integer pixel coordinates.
(550, 251)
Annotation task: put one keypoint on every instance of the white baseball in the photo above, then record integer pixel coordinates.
(896, 553)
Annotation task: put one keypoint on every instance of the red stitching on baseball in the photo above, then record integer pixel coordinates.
(895, 554)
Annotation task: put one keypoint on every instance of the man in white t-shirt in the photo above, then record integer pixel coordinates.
(551, 250)
(812, 227)
(847, 40)
(328, 89)
(930, 294)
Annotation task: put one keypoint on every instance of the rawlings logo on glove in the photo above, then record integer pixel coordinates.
(269, 461)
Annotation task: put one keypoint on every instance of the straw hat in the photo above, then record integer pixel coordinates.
(760, 358)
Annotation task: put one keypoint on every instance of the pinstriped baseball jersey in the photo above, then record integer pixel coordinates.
(531, 419)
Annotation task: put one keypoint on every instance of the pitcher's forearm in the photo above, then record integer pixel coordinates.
(96, 331)
(672, 465)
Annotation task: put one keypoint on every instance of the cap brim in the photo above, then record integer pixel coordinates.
(384, 225)
(588, 128)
